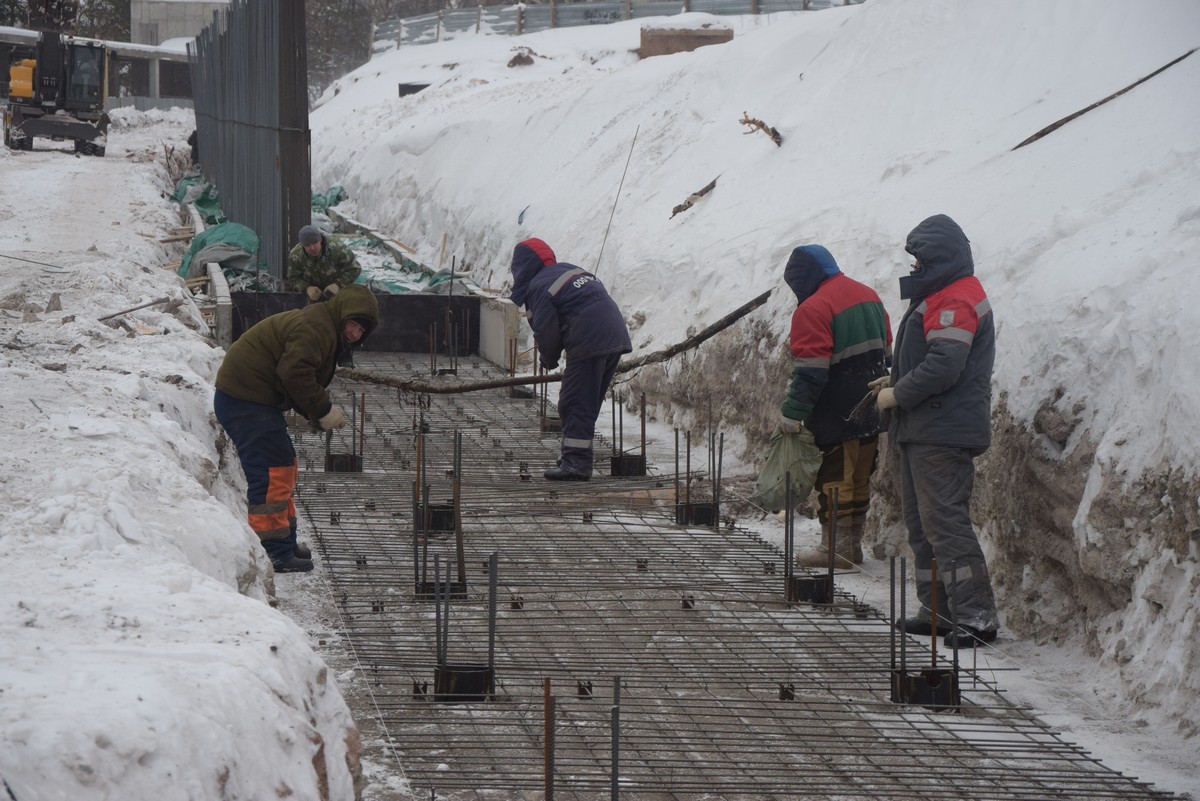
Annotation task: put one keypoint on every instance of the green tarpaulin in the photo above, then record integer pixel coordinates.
(232, 245)
(321, 201)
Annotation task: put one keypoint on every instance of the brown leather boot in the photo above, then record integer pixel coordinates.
(845, 550)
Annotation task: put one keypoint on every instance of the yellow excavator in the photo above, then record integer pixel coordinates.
(59, 93)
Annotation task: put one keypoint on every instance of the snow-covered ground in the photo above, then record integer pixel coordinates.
(139, 658)
(138, 655)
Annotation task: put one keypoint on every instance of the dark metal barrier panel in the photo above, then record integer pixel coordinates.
(406, 322)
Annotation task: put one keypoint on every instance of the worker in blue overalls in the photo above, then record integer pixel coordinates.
(569, 310)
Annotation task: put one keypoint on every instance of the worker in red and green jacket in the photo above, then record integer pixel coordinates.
(840, 340)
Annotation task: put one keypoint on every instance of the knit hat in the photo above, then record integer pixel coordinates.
(310, 235)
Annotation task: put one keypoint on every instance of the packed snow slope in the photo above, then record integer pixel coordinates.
(889, 112)
(139, 658)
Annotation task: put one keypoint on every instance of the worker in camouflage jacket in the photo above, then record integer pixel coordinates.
(840, 340)
(285, 362)
(940, 389)
(319, 266)
(570, 310)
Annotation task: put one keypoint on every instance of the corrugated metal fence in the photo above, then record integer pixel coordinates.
(521, 18)
(250, 73)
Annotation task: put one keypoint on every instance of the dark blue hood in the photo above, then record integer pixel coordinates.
(808, 268)
(529, 256)
(944, 253)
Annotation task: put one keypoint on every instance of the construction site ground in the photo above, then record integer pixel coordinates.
(669, 650)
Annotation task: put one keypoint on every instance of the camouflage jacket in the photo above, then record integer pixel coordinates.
(335, 265)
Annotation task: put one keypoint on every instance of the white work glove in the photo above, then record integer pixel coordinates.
(886, 399)
(880, 383)
(314, 293)
(789, 426)
(331, 290)
(334, 418)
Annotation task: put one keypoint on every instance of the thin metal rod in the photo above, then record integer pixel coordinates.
(493, 583)
(614, 792)
(548, 741)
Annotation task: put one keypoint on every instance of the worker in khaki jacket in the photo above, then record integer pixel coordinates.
(286, 362)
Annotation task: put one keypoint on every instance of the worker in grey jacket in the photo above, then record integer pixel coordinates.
(940, 389)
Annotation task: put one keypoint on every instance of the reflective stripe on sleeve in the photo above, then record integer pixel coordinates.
(954, 334)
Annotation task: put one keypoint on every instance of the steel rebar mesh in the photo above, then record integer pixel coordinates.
(726, 690)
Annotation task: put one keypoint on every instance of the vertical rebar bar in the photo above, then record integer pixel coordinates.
(788, 537)
(612, 395)
(892, 610)
(717, 482)
(457, 511)
(687, 475)
(677, 499)
(353, 422)
(903, 612)
(432, 349)
(437, 611)
(615, 780)
(493, 583)
(644, 463)
(933, 610)
(362, 425)
(416, 541)
(621, 425)
(547, 741)
(833, 515)
(954, 609)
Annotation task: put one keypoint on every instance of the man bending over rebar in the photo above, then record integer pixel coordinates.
(570, 310)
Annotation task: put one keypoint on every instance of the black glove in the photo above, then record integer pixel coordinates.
(548, 366)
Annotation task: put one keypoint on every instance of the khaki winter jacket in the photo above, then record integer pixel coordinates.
(288, 359)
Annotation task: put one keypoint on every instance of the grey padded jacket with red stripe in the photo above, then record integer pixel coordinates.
(945, 345)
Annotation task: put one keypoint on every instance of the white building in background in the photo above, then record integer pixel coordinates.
(153, 22)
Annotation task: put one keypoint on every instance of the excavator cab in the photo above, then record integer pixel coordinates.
(59, 94)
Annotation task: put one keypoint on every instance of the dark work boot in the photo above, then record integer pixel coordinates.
(969, 637)
(294, 565)
(566, 474)
(302, 551)
(921, 626)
